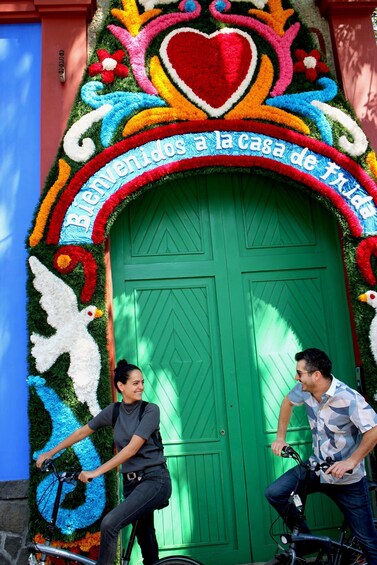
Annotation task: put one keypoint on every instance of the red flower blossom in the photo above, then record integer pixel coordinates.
(109, 65)
(310, 64)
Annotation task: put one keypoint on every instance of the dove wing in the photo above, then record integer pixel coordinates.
(58, 299)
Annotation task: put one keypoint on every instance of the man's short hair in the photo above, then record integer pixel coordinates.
(316, 360)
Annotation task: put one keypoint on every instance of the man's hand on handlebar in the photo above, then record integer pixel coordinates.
(277, 446)
(330, 467)
(339, 468)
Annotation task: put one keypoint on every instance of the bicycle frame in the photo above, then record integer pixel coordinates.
(332, 548)
(51, 551)
(48, 550)
(326, 545)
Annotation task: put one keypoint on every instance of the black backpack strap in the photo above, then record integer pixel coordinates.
(156, 436)
(143, 405)
(115, 414)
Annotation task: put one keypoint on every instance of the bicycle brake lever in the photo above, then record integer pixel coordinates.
(76, 476)
(287, 451)
(72, 476)
(47, 465)
(327, 464)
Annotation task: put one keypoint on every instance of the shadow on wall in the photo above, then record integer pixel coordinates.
(364, 94)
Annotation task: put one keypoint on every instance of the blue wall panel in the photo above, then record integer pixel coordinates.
(20, 65)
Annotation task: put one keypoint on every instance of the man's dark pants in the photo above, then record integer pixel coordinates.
(352, 499)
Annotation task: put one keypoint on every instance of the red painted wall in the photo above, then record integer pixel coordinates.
(355, 52)
(64, 29)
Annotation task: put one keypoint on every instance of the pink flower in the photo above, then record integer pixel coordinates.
(310, 64)
(109, 65)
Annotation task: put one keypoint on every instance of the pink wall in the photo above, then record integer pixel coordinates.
(355, 52)
(64, 29)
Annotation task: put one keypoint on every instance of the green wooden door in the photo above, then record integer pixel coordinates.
(218, 280)
(288, 293)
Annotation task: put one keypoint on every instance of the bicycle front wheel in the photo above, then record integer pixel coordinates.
(178, 560)
(347, 556)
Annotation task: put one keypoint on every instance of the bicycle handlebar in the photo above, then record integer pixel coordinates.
(48, 466)
(289, 452)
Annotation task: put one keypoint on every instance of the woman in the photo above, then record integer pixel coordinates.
(146, 479)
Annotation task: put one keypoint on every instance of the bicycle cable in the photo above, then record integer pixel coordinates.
(283, 516)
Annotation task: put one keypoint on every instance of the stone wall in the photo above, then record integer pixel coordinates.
(14, 520)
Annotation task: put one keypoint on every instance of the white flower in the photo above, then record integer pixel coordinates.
(310, 62)
(81, 151)
(260, 4)
(359, 143)
(109, 64)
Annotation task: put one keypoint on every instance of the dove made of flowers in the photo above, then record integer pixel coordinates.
(161, 102)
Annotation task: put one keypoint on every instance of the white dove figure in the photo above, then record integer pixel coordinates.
(60, 304)
(370, 297)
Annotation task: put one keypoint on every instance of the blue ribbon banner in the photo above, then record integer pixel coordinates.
(304, 163)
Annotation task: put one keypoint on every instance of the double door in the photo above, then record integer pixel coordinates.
(218, 281)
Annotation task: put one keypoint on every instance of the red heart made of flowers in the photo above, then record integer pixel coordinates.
(212, 70)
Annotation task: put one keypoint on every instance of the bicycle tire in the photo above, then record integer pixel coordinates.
(178, 560)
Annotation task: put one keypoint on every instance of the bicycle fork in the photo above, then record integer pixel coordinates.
(51, 525)
(126, 554)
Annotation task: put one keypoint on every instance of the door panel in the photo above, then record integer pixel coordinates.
(170, 225)
(168, 320)
(270, 218)
(218, 281)
(287, 294)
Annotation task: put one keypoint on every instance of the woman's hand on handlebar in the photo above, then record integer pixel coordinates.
(277, 446)
(87, 476)
(42, 458)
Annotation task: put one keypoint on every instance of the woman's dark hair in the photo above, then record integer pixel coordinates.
(316, 360)
(122, 372)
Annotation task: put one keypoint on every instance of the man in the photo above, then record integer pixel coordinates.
(344, 428)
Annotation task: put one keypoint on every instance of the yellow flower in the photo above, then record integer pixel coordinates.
(372, 162)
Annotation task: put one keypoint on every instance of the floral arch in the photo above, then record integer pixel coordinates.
(151, 106)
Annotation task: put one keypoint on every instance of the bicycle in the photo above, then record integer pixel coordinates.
(39, 552)
(343, 551)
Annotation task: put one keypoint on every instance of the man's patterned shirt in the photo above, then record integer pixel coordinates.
(337, 424)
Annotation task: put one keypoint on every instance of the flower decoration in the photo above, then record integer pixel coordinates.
(87, 546)
(310, 64)
(371, 159)
(109, 65)
(48, 201)
(364, 253)
(66, 260)
(271, 119)
(71, 334)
